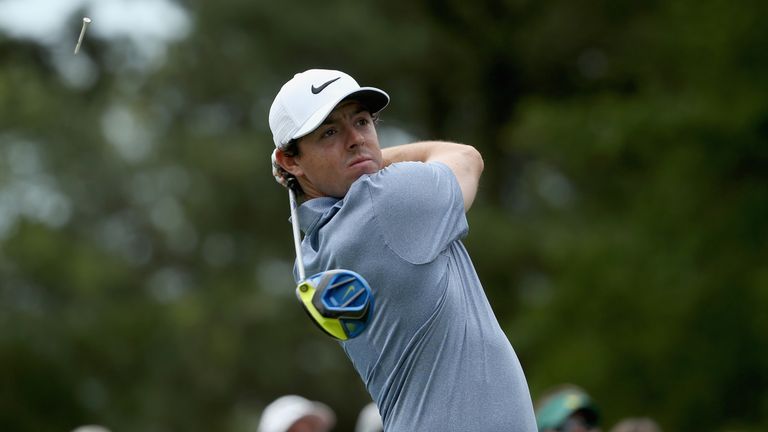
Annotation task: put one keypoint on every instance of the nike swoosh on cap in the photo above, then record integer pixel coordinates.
(316, 90)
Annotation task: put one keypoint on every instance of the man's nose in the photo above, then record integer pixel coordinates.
(354, 138)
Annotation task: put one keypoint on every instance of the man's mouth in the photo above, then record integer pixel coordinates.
(358, 160)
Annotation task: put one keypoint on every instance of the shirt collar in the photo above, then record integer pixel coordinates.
(312, 212)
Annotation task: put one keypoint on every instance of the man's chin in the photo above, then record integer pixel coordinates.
(364, 167)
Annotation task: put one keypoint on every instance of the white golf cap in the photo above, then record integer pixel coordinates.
(284, 411)
(90, 428)
(305, 101)
(369, 419)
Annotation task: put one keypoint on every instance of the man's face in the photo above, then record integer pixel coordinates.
(344, 147)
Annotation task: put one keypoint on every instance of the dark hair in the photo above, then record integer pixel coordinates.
(291, 149)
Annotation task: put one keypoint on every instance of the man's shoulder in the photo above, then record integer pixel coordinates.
(413, 167)
(415, 206)
(408, 175)
(403, 186)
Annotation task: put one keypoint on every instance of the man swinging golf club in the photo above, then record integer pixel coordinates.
(432, 355)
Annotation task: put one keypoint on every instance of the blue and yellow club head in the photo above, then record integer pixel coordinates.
(340, 302)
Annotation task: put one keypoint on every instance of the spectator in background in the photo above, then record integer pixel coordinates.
(369, 419)
(567, 408)
(293, 413)
(90, 428)
(636, 424)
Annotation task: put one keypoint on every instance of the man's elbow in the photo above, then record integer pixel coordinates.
(474, 159)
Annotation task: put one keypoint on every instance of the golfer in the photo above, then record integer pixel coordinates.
(433, 356)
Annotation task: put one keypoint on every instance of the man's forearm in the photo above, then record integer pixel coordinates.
(420, 151)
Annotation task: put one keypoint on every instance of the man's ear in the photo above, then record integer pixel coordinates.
(288, 163)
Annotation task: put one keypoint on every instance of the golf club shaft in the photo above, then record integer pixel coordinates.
(296, 235)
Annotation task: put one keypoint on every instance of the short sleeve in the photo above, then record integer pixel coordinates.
(418, 208)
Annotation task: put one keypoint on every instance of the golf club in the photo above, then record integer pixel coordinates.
(338, 301)
(86, 21)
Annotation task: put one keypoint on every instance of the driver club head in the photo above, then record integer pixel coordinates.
(339, 301)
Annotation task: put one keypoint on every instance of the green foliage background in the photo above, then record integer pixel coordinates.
(620, 230)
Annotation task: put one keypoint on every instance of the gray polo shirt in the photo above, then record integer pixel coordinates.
(433, 356)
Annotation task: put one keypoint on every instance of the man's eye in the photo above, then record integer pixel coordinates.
(363, 122)
(328, 133)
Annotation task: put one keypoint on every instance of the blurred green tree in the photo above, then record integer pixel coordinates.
(145, 254)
